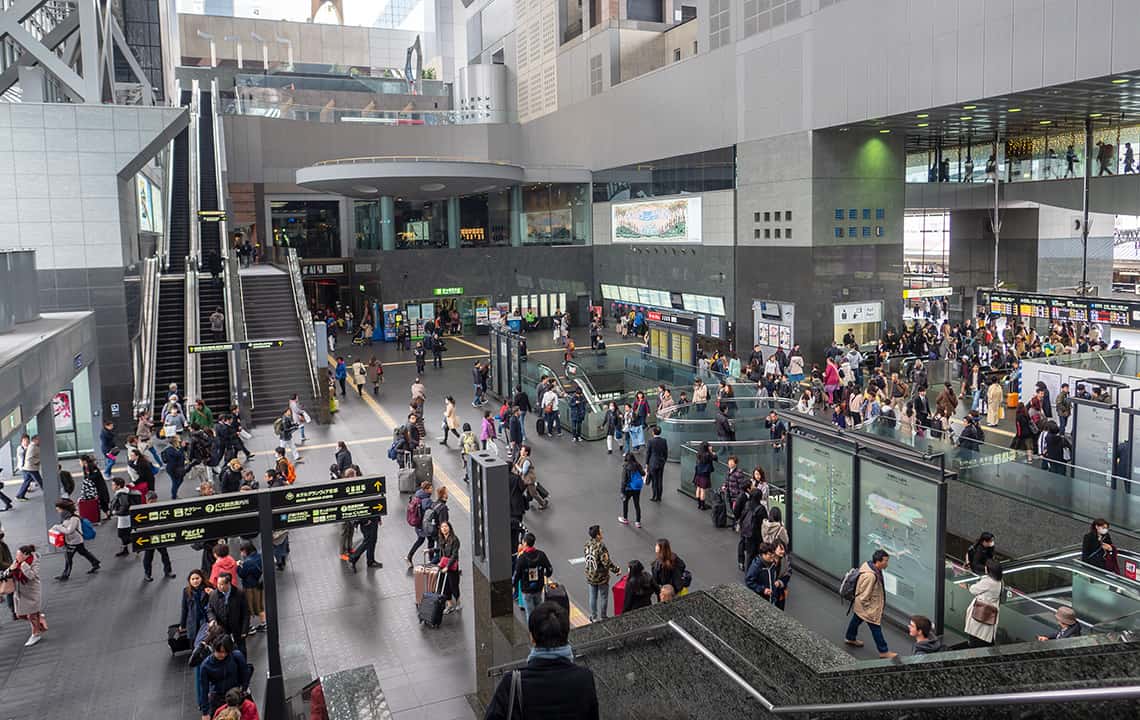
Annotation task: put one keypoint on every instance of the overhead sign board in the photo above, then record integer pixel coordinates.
(231, 346)
(447, 291)
(1115, 312)
(209, 507)
(911, 293)
(211, 216)
(295, 495)
(194, 531)
(343, 511)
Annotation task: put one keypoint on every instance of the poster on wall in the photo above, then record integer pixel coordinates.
(149, 205)
(657, 221)
(548, 227)
(63, 411)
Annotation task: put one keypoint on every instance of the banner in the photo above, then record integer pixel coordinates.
(63, 411)
(677, 220)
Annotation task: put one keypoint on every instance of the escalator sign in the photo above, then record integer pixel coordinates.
(231, 346)
(211, 216)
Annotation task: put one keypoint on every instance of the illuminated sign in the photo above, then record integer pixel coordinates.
(447, 291)
(211, 216)
(475, 233)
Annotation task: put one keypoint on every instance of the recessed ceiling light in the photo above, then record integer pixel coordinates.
(969, 107)
(920, 116)
(1095, 115)
(1014, 110)
(1045, 122)
(844, 129)
(966, 117)
(1120, 81)
(432, 187)
(884, 131)
(923, 124)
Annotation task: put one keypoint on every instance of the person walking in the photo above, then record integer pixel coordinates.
(423, 497)
(611, 425)
(982, 613)
(450, 420)
(763, 572)
(27, 591)
(632, 482)
(223, 670)
(449, 565)
(750, 523)
(375, 374)
(144, 430)
(550, 685)
(30, 466)
(869, 604)
(340, 372)
(195, 598)
(148, 554)
(532, 568)
(598, 568)
(300, 416)
(284, 427)
(174, 460)
(70, 526)
(249, 570)
(228, 609)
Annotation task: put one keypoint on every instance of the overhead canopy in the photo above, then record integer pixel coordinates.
(409, 178)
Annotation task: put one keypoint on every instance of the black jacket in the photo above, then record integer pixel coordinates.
(531, 570)
(552, 689)
(343, 461)
(523, 401)
(1092, 552)
(230, 480)
(232, 616)
(656, 454)
(673, 577)
(640, 594)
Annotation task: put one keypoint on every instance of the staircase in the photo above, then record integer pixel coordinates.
(277, 373)
(170, 348)
(214, 383)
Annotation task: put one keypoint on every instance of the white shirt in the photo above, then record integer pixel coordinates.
(550, 398)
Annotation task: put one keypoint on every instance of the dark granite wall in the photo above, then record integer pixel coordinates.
(972, 250)
(102, 290)
(706, 270)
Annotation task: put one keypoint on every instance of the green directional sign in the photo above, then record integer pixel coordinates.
(232, 346)
(295, 495)
(371, 506)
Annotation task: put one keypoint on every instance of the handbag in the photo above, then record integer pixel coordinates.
(244, 434)
(445, 564)
(984, 613)
(7, 586)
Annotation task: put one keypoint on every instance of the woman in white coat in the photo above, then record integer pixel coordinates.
(982, 613)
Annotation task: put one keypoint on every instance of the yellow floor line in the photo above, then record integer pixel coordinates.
(577, 617)
(468, 343)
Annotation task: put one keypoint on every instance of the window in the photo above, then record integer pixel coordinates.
(756, 233)
(777, 216)
(693, 173)
(777, 233)
(767, 233)
(866, 231)
(694, 47)
(720, 23)
(676, 54)
(852, 214)
(878, 231)
(879, 213)
(499, 57)
(760, 15)
(596, 75)
(755, 217)
(852, 231)
(788, 215)
(838, 232)
(767, 217)
(866, 213)
(839, 213)
(788, 233)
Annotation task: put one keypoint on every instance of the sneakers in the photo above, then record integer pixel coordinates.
(169, 575)
(622, 520)
(33, 640)
(888, 655)
(853, 643)
(375, 564)
(147, 578)
(94, 569)
(122, 553)
(637, 524)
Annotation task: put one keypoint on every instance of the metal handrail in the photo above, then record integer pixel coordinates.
(1030, 697)
(148, 333)
(219, 155)
(235, 289)
(416, 158)
(304, 317)
(229, 273)
(190, 317)
(192, 168)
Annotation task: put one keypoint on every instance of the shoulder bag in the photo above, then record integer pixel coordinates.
(516, 692)
(984, 613)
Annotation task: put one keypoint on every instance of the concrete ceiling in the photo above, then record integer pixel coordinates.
(411, 179)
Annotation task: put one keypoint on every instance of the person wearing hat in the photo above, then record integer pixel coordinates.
(1068, 622)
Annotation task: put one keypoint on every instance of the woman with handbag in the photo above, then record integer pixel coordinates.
(24, 574)
(612, 426)
(982, 613)
(449, 566)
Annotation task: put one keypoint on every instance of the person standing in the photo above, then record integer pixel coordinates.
(869, 604)
(522, 402)
(762, 573)
(982, 613)
(640, 588)
(70, 526)
(26, 598)
(228, 609)
(341, 374)
(1064, 407)
(632, 482)
(702, 473)
(577, 414)
(668, 568)
(1097, 548)
(532, 568)
(994, 397)
(611, 425)
(223, 670)
(450, 420)
(375, 373)
(598, 568)
(449, 565)
(283, 428)
(656, 455)
(249, 570)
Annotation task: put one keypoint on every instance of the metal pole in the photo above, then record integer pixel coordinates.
(274, 706)
(1083, 290)
(997, 218)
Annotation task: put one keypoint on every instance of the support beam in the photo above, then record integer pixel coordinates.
(58, 35)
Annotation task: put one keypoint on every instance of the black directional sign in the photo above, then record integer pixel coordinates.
(345, 510)
(297, 495)
(232, 346)
(191, 532)
(199, 509)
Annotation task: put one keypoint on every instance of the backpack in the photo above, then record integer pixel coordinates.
(847, 585)
(290, 472)
(429, 523)
(636, 480)
(279, 426)
(87, 528)
(415, 512)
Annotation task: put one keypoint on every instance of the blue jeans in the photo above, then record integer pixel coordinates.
(110, 465)
(154, 454)
(30, 476)
(599, 600)
(876, 632)
(530, 602)
(478, 395)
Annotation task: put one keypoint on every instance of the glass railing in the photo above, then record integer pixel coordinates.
(326, 114)
(695, 422)
(768, 455)
(1032, 592)
(1061, 487)
(305, 319)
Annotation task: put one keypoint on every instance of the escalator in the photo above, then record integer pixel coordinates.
(214, 380)
(180, 199)
(209, 232)
(170, 346)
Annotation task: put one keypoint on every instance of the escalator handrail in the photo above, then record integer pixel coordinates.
(191, 319)
(148, 333)
(1069, 552)
(193, 170)
(304, 318)
(1132, 592)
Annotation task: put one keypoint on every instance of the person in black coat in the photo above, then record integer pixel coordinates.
(343, 458)
(657, 453)
(724, 429)
(228, 609)
(1097, 547)
(230, 479)
(550, 685)
(640, 588)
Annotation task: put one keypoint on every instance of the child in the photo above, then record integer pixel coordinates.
(487, 432)
(467, 445)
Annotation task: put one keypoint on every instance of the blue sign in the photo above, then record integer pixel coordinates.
(78, 361)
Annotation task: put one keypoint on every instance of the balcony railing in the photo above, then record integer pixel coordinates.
(325, 114)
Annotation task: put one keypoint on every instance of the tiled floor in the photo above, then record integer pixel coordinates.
(106, 656)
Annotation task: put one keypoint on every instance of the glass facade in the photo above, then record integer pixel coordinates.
(310, 226)
(538, 214)
(693, 173)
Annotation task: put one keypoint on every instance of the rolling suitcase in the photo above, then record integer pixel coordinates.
(431, 604)
(406, 476)
(556, 593)
(619, 594)
(540, 426)
(422, 462)
(425, 576)
(178, 641)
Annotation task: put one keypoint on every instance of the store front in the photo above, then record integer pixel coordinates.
(864, 320)
(713, 333)
(457, 312)
(329, 281)
(312, 227)
(537, 309)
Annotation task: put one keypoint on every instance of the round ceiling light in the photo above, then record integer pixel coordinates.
(432, 187)
(366, 189)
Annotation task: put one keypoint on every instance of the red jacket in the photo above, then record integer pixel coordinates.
(248, 710)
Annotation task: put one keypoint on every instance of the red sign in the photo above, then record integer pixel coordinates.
(1129, 569)
(653, 315)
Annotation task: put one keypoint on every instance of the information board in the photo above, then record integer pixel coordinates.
(1114, 312)
(898, 512)
(1094, 436)
(822, 486)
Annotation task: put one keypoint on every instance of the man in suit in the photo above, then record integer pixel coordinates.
(227, 608)
(655, 457)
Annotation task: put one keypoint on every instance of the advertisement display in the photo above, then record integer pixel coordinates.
(898, 512)
(1094, 436)
(657, 221)
(862, 312)
(549, 227)
(63, 411)
(1116, 313)
(822, 488)
(149, 201)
